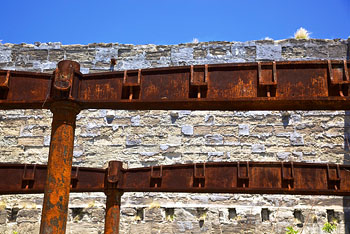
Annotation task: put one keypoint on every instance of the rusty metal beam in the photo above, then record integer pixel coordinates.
(31, 178)
(212, 177)
(296, 85)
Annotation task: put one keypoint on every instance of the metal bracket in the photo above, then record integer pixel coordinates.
(28, 176)
(65, 80)
(288, 181)
(243, 181)
(131, 90)
(114, 176)
(198, 178)
(114, 172)
(339, 77)
(156, 180)
(267, 80)
(198, 82)
(74, 177)
(4, 85)
(333, 183)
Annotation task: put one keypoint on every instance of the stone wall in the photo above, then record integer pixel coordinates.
(143, 138)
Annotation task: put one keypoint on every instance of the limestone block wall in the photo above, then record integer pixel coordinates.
(144, 138)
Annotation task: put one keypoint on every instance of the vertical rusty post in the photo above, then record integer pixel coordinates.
(114, 177)
(112, 218)
(57, 187)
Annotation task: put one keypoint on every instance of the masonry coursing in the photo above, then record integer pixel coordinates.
(144, 138)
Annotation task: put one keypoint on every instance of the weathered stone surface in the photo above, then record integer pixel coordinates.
(3, 216)
(268, 52)
(5, 55)
(243, 129)
(187, 130)
(144, 138)
(257, 148)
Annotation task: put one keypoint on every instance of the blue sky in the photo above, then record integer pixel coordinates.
(169, 21)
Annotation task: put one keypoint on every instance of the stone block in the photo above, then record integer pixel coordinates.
(243, 129)
(268, 52)
(56, 55)
(47, 46)
(154, 214)
(209, 119)
(215, 139)
(296, 139)
(217, 156)
(157, 55)
(128, 211)
(81, 55)
(135, 120)
(3, 216)
(133, 140)
(283, 155)
(338, 51)
(28, 216)
(182, 54)
(187, 130)
(164, 147)
(258, 148)
(30, 141)
(105, 54)
(220, 50)
(241, 52)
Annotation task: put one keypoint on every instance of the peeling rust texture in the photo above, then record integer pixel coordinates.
(286, 85)
(59, 168)
(224, 177)
(58, 180)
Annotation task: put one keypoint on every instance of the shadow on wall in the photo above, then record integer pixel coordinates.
(346, 199)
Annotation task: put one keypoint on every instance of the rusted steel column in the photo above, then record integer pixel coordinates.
(59, 167)
(113, 212)
(57, 186)
(113, 179)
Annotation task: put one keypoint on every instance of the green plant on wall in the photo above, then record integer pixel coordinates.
(290, 230)
(329, 227)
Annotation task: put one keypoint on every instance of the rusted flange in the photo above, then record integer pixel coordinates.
(64, 79)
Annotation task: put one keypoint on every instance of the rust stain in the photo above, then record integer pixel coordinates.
(57, 188)
(112, 217)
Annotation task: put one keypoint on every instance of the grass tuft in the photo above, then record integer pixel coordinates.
(302, 33)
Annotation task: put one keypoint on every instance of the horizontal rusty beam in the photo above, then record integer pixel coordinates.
(212, 177)
(292, 85)
(30, 178)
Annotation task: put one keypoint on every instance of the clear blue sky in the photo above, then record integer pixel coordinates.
(169, 21)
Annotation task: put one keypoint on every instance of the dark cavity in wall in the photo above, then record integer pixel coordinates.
(232, 213)
(265, 214)
(333, 216)
(140, 214)
(201, 215)
(109, 119)
(285, 118)
(169, 214)
(298, 215)
(77, 214)
(12, 216)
